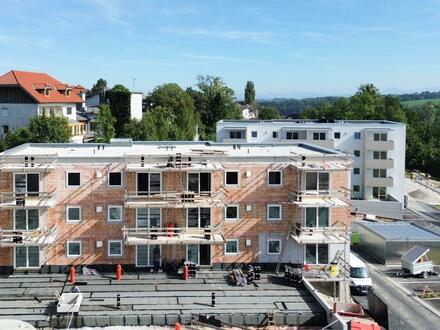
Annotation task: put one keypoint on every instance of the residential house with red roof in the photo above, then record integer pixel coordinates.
(27, 94)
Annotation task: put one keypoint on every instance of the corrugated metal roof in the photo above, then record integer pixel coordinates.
(400, 230)
(414, 253)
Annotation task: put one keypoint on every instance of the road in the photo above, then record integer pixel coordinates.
(404, 310)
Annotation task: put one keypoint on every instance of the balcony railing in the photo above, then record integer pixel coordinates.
(16, 200)
(379, 163)
(379, 182)
(13, 163)
(380, 145)
(172, 236)
(173, 199)
(319, 198)
(37, 237)
(321, 235)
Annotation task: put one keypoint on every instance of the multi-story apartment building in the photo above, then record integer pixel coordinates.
(27, 94)
(210, 203)
(377, 148)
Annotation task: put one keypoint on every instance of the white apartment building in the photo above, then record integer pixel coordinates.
(377, 148)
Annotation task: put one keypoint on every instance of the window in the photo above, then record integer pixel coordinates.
(73, 179)
(357, 153)
(379, 173)
(275, 178)
(74, 249)
(357, 135)
(148, 217)
(115, 179)
(114, 248)
(231, 178)
(69, 110)
(254, 134)
(26, 219)
(114, 213)
(73, 213)
(47, 91)
(27, 256)
(379, 155)
(317, 217)
(337, 135)
(198, 217)
(275, 135)
(199, 183)
(380, 136)
(273, 246)
(356, 170)
(68, 92)
(232, 212)
(231, 247)
(274, 212)
(380, 193)
(318, 136)
(27, 183)
(296, 135)
(5, 129)
(317, 181)
(356, 188)
(148, 183)
(316, 254)
(236, 134)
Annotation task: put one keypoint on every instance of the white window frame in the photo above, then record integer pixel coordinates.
(238, 179)
(316, 224)
(108, 213)
(67, 179)
(277, 184)
(273, 240)
(150, 262)
(26, 173)
(317, 181)
(381, 134)
(67, 213)
(281, 212)
(149, 216)
(316, 253)
(232, 253)
(112, 185)
(108, 248)
(237, 206)
(27, 258)
(67, 249)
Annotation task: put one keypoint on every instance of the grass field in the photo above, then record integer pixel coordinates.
(420, 102)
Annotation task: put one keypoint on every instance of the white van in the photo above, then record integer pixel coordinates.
(359, 276)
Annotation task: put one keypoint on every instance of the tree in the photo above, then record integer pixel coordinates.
(105, 122)
(142, 130)
(249, 93)
(49, 129)
(100, 86)
(180, 106)
(213, 101)
(119, 99)
(267, 113)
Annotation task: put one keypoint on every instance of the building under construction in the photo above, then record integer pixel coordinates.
(213, 204)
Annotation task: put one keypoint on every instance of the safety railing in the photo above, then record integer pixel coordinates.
(27, 199)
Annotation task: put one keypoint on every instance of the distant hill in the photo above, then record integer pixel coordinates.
(293, 107)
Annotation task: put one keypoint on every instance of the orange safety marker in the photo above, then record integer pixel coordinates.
(118, 272)
(72, 275)
(185, 273)
(177, 326)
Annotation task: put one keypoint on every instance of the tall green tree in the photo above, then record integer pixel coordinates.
(267, 113)
(119, 99)
(142, 130)
(249, 93)
(100, 86)
(105, 122)
(48, 129)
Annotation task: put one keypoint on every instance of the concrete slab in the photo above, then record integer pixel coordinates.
(116, 320)
(144, 319)
(131, 320)
(158, 320)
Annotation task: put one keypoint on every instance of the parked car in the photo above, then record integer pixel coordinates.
(360, 278)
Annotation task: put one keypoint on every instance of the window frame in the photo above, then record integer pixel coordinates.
(68, 207)
(108, 213)
(316, 253)
(237, 241)
(234, 136)
(237, 207)
(379, 195)
(338, 135)
(358, 190)
(268, 213)
(199, 173)
(80, 249)
(380, 171)
(356, 153)
(14, 225)
(226, 179)
(274, 134)
(380, 153)
(67, 179)
(254, 134)
(113, 185)
(358, 170)
(317, 181)
(357, 135)
(273, 240)
(149, 217)
(149, 191)
(199, 218)
(275, 184)
(108, 248)
(316, 217)
(381, 135)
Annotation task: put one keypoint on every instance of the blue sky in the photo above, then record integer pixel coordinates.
(288, 48)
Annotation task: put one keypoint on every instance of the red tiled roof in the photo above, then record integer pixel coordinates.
(33, 83)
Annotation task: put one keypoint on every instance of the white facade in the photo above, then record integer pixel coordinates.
(377, 149)
(136, 106)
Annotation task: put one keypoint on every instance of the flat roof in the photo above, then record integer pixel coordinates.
(317, 122)
(400, 230)
(127, 148)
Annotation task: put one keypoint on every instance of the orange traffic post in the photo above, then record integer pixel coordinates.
(72, 275)
(177, 326)
(185, 273)
(118, 272)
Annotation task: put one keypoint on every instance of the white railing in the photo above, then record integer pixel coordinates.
(27, 199)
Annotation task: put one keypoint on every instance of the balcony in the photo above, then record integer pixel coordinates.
(322, 143)
(379, 163)
(37, 237)
(379, 182)
(172, 236)
(173, 199)
(41, 163)
(316, 200)
(15, 200)
(320, 235)
(380, 145)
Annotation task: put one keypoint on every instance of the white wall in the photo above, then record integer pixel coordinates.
(136, 106)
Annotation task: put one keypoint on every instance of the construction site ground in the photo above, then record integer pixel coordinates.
(157, 299)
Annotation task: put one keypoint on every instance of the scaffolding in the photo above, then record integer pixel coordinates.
(27, 163)
(36, 237)
(16, 200)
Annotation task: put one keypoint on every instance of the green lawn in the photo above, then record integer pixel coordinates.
(420, 102)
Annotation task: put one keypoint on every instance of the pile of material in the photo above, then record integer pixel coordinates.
(293, 276)
(239, 278)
